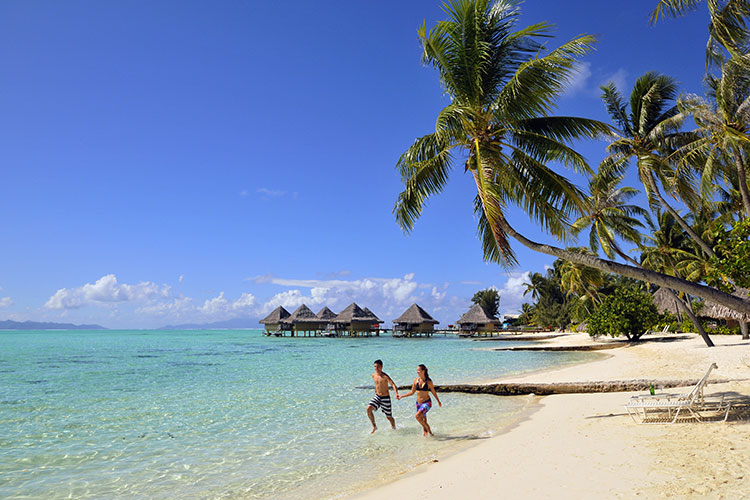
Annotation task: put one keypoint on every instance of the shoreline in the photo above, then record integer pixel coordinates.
(586, 446)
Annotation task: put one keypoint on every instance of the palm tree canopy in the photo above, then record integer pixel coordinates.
(727, 28)
(502, 89)
(609, 215)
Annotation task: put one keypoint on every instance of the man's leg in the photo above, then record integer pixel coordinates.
(372, 418)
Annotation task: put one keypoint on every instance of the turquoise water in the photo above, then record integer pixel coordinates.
(229, 414)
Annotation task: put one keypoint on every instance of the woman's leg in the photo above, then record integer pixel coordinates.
(422, 419)
(426, 425)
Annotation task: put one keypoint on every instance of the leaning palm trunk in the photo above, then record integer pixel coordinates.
(742, 181)
(689, 287)
(683, 305)
(684, 225)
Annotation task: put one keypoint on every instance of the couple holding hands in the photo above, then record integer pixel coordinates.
(422, 385)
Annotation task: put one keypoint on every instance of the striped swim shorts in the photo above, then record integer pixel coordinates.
(382, 402)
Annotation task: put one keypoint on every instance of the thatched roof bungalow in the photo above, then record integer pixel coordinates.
(666, 302)
(476, 319)
(304, 320)
(326, 315)
(355, 319)
(277, 320)
(372, 315)
(414, 319)
(716, 311)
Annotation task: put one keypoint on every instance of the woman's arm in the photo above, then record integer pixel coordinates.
(395, 388)
(432, 389)
(412, 391)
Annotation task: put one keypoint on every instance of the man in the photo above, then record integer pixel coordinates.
(382, 397)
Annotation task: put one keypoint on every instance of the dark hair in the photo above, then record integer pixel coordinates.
(426, 372)
(378, 362)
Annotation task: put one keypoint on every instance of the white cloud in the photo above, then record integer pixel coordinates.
(619, 78)
(262, 278)
(105, 290)
(221, 307)
(244, 193)
(383, 295)
(6, 302)
(436, 294)
(579, 80)
(271, 193)
(181, 278)
(511, 294)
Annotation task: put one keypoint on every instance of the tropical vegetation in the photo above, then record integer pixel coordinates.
(489, 300)
(690, 155)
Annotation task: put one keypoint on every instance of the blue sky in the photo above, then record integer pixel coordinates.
(169, 162)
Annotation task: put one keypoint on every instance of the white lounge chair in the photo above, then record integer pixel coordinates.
(667, 408)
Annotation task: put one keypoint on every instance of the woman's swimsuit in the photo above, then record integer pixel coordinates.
(424, 406)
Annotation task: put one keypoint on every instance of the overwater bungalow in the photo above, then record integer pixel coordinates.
(326, 315)
(355, 321)
(275, 323)
(305, 322)
(371, 315)
(414, 321)
(477, 321)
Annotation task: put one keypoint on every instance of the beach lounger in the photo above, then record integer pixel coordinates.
(667, 408)
(662, 331)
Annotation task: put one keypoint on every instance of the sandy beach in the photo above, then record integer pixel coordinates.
(586, 446)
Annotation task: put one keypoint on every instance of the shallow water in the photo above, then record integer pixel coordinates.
(229, 414)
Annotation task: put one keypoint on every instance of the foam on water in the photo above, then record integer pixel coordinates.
(229, 414)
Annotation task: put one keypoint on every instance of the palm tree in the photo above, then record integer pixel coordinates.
(724, 126)
(609, 215)
(670, 253)
(581, 281)
(535, 285)
(649, 132)
(727, 28)
(502, 91)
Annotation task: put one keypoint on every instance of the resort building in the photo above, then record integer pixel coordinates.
(414, 321)
(306, 322)
(666, 302)
(371, 315)
(476, 320)
(327, 315)
(354, 321)
(276, 322)
(732, 317)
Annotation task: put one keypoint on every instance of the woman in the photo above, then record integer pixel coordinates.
(423, 386)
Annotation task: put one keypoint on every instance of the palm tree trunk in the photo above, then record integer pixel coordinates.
(743, 329)
(742, 181)
(705, 292)
(684, 225)
(682, 305)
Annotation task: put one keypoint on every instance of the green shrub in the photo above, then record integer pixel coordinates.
(724, 330)
(627, 311)
(687, 326)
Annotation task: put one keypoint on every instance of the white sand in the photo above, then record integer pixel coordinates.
(585, 446)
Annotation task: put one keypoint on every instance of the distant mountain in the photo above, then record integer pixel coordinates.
(230, 324)
(36, 325)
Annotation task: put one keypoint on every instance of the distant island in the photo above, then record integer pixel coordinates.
(37, 325)
(236, 323)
